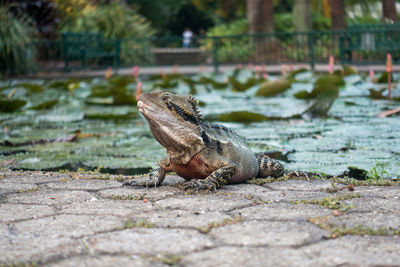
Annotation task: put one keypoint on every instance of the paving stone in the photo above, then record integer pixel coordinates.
(260, 193)
(300, 185)
(244, 256)
(8, 188)
(35, 177)
(389, 192)
(271, 233)
(106, 261)
(124, 208)
(204, 202)
(356, 251)
(84, 184)
(181, 218)
(374, 204)
(14, 212)
(373, 220)
(26, 239)
(149, 241)
(281, 211)
(142, 192)
(50, 197)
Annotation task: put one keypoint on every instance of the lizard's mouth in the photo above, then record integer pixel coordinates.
(142, 106)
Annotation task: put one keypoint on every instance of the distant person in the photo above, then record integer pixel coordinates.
(187, 37)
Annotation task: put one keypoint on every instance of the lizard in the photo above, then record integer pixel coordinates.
(207, 155)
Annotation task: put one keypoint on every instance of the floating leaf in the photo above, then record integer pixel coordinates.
(349, 70)
(384, 78)
(271, 88)
(375, 94)
(215, 84)
(240, 87)
(322, 104)
(99, 116)
(45, 105)
(11, 105)
(33, 88)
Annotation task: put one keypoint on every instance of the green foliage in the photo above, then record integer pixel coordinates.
(17, 51)
(283, 22)
(231, 48)
(320, 22)
(377, 172)
(115, 21)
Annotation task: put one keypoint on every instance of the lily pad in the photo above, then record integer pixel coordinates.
(215, 84)
(45, 105)
(272, 88)
(237, 86)
(11, 105)
(111, 116)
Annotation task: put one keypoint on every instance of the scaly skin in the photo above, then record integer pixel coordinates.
(207, 155)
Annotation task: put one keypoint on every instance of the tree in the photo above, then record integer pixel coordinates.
(389, 10)
(302, 15)
(260, 14)
(338, 14)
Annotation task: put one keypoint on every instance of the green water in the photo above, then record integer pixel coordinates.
(117, 138)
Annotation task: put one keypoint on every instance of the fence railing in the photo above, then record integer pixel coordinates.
(357, 46)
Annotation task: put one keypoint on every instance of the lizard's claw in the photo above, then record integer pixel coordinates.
(197, 185)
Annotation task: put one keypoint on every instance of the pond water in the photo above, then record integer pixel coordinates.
(85, 123)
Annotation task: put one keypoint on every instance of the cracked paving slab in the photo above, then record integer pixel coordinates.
(106, 260)
(268, 233)
(57, 220)
(84, 184)
(247, 256)
(26, 239)
(149, 241)
(356, 251)
(281, 211)
(15, 212)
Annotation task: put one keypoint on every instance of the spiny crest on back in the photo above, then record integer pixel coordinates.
(195, 104)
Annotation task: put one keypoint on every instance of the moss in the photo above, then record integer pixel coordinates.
(171, 260)
(336, 231)
(128, 197)
(212, 225)
(354, 182)
(261, 181)
(272, 88)
(330, 202)
(138, 224)
(28, 190)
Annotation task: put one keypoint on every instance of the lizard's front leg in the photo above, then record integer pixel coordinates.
(214, 181)
(155, 178)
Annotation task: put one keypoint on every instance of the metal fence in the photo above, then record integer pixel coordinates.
(357, 46)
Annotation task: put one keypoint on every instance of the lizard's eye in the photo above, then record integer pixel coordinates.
(165, 98)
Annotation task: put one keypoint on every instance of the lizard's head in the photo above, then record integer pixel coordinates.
(174, 119)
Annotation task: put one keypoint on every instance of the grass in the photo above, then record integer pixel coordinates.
(137, 224)
(336, 231)
(330, 202)
(213, 225)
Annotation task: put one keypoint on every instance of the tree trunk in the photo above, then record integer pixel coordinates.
(302, 15)
(260, 14)
(389, 10)
(338, 15)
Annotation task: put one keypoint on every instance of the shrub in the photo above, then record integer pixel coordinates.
(17, 50)
(114, 21)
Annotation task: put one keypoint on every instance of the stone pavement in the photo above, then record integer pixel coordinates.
(88, 219)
